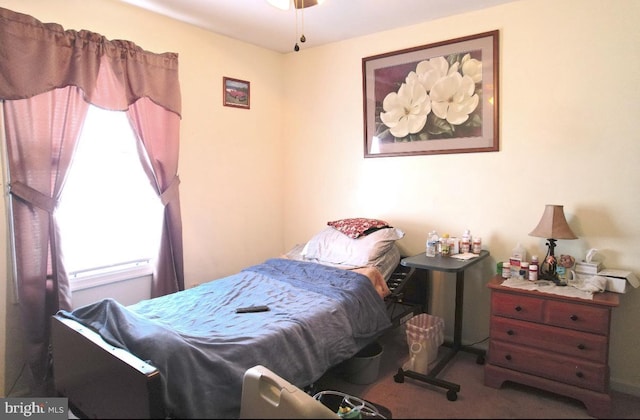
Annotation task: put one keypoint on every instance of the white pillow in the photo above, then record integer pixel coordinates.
(331, 245)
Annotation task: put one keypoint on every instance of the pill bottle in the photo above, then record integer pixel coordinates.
(524, 270)
(465, 242)
(534, 262)
(477, 245)
(533, 272)
(465, 245)
(506, 270)
(515, 266)
(454, 246)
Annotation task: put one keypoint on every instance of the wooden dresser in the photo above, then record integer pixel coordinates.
(552, 342)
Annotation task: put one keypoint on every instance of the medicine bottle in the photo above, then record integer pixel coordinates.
(454, 246)
(465, 242)
(524, 270)
(506, 270)
(533, 272)
(465, 245)
(477, 245)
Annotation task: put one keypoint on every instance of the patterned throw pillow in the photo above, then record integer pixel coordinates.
(358, 226)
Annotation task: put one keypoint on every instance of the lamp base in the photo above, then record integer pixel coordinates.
(549, 266)
(554, 279)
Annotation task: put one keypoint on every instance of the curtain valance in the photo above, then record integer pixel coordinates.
(74, 58)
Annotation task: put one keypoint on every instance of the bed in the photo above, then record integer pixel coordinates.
(184, 355)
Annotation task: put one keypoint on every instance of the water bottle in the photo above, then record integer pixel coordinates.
(432, 244)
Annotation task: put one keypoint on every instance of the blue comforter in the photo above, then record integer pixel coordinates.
(319, 316)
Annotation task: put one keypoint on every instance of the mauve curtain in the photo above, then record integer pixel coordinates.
(41, 134)
(48, 76)
(156, 128)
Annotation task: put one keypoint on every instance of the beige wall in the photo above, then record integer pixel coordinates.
(569, 83)
(256, 182)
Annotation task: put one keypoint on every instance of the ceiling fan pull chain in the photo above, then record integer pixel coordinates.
(302, 38)
(296, 47)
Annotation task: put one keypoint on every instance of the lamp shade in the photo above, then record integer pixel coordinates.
(553, 224)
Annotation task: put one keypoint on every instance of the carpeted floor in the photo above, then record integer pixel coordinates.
(418, 400)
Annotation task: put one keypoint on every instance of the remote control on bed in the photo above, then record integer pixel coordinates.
(259, 308)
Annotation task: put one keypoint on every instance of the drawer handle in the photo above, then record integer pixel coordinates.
(574, 317)
(580, 374)
(581, 346)
(508, 357)
(510, 332)
(518, 308)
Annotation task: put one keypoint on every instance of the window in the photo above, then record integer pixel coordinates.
(110, 217)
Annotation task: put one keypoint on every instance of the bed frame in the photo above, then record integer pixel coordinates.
(103, 381)
(100, 380)
(405, 300)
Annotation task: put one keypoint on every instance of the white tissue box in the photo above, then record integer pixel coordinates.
(617, 280)
(584, 267)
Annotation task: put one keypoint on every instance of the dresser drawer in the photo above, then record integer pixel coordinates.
(517, 306)
(577, 316)
(577, 344)
(573, 371)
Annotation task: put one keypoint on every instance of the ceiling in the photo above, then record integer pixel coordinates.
(258, 23)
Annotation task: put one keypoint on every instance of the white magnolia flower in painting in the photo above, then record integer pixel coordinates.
(447, 86)
(453, 98)
(428, 72)
(405, 111)
(472, 68)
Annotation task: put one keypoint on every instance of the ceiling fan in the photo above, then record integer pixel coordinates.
(298, 4)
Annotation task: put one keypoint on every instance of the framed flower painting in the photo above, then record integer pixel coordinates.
(433, 99)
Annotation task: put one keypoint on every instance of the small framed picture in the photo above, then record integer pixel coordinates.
(236, 93)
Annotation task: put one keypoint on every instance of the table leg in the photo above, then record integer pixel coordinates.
(457, 326)
(428, 275)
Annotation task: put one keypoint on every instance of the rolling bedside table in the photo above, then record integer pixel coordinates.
(552, 342)
(423, 264)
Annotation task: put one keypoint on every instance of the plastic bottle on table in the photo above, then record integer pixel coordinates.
(465, 242)
(476, 246)
(518, 254)
(444, 245)
(506, 270)
(432, 243)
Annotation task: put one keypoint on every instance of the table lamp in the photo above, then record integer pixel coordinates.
(552, 226)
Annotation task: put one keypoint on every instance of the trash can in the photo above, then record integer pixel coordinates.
(425, 333)
(363, 368)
